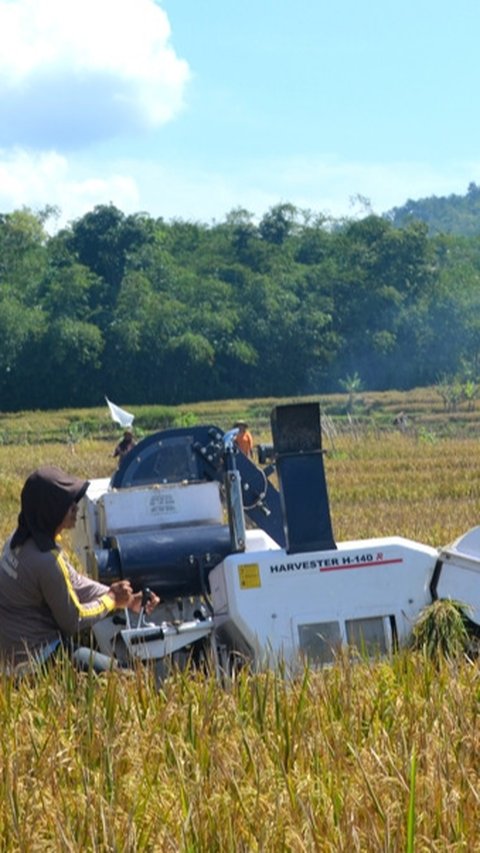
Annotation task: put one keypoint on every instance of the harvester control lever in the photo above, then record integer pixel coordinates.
(146, 596)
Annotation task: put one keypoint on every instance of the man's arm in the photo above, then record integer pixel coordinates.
(75, 602)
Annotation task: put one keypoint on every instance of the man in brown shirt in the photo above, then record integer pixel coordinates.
(43, 599)
(124, 446)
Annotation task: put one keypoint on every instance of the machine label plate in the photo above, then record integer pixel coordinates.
(249, 575)
(342, 561)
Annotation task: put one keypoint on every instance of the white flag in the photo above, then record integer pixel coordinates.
(120, 416)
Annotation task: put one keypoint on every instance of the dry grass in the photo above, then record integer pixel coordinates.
(379, 756)
(261, 764)
(393, 484)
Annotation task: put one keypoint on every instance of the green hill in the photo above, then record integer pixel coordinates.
(453, 214)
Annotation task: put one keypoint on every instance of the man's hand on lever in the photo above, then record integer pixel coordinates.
(123, 596)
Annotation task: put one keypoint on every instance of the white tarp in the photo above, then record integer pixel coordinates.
(120, 416)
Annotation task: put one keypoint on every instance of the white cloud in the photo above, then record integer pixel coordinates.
(323, 185)
(187, 191)
(75, 71)
(327, 184)
(38, 180)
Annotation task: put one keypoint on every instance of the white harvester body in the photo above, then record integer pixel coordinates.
(178, 518)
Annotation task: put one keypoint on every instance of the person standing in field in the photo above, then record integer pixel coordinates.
(243, 438)
(44, 601)
(124, 446)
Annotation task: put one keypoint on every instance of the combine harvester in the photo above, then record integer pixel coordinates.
(248, 572)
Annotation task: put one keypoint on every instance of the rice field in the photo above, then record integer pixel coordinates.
(362, 756)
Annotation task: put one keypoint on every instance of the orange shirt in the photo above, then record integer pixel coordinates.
(244, 442)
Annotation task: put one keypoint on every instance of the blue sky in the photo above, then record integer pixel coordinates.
(191, 108)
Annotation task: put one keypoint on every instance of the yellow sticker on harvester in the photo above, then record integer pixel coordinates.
(249, 574)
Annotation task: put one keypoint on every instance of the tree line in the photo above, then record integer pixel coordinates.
(452, 214)
(150, 311)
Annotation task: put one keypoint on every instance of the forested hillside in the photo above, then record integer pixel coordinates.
(146, 310)
(453, 214)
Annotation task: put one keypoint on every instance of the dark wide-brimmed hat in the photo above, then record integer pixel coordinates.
(240, 424)
(47, 495)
